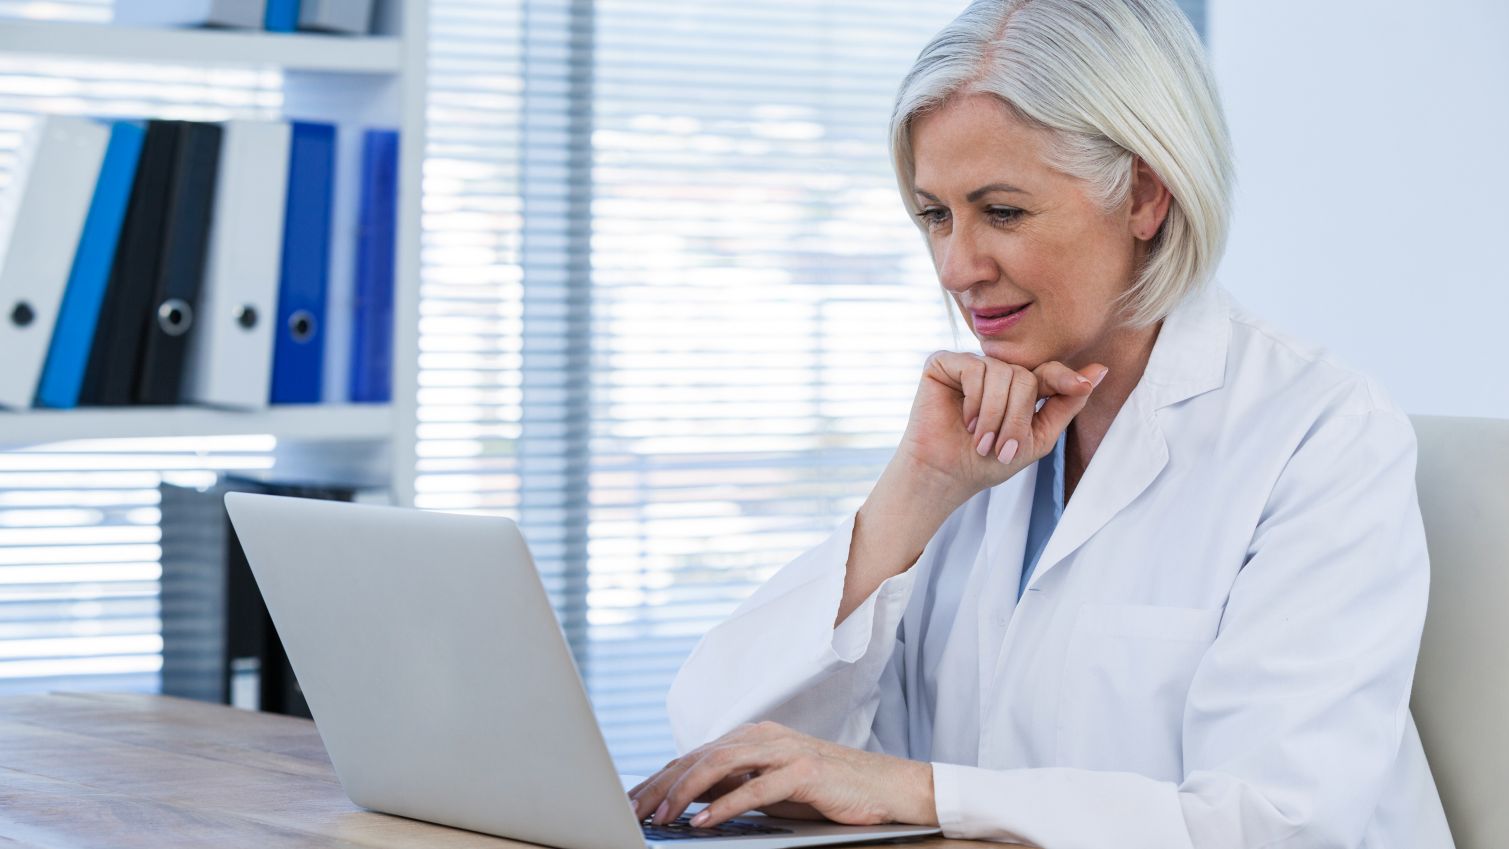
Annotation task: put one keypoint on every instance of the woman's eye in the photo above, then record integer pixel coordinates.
(932, 216)
(1003, 214)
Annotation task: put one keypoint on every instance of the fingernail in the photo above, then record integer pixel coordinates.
(662, 812)
(700, 818)
(985, 441)
(1102, 376)
(972, 422)
(1008, 451)
(1083, 379)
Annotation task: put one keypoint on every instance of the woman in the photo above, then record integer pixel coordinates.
(1145, 574)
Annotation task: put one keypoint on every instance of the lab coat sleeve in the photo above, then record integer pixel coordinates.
(1299, 707)
(780, 658)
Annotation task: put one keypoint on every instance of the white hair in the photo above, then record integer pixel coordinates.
(1110, 82)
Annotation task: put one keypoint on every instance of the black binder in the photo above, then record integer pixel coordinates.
(170, 316)
(110, 376)
(219, 643)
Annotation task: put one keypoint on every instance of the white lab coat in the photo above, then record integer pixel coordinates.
(1215, 651)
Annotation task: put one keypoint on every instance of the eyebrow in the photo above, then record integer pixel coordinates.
(977, 193)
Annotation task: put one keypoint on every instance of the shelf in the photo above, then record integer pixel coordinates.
(288, 51)
(315, 422)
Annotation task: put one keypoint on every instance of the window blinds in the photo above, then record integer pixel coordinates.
(673, 310)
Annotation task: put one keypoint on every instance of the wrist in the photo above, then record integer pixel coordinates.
(913, 483)
(914, 804)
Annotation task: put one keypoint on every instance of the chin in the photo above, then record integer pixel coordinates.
(1025, 355)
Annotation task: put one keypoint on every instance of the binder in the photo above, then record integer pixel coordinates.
(110, 375)
(238, 14)
(229, 360)
(282, 15)
(218, 643)
(63, 371)
(340, 293)
(353, 17)
(172, 315)
(299, 345)
(372, 330)
(42, 222)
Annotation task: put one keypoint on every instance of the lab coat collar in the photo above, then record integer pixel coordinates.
(1188, 359)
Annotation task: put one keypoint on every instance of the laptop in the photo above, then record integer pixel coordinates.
(442, 685)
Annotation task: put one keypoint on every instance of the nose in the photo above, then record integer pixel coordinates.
(961, 262)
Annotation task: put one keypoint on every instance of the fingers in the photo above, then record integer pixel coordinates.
(966, 373)
(727, 785)
(713, 767)
(1055, 378)
(1061, 408)
(648, 796)
(1000, 400)
(996, 386)
(988, 385)
(1022, 403)
(759, 792)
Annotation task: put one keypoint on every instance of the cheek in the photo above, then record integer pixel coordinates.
(1088, 270)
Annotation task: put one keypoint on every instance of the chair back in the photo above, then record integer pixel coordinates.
(1461, 694)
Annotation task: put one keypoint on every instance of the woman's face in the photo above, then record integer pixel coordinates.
(1008, 232)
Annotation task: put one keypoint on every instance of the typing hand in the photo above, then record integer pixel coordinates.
(769, 767)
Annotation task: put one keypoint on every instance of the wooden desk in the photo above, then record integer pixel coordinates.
(126, 771)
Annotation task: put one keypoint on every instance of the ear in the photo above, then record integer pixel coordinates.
(1150, 200)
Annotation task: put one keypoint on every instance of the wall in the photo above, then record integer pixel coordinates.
(1371, 142)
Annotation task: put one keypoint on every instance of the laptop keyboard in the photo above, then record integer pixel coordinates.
(681, 829)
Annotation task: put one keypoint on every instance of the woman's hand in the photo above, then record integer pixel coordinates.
(766, 766)
(975, 421)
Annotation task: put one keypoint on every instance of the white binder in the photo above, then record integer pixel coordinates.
(41, 218)
(229, 360)
(346, 16)
(238, 14)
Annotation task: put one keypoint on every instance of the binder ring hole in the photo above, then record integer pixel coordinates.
(23, 314)
(246, 316)
(301, 323)
(175, 316)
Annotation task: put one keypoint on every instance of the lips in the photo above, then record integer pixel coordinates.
(994, 321)
(997, 312)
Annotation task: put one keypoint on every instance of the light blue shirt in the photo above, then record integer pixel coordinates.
(1047, 509)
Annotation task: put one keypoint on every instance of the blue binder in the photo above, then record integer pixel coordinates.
(299, 348)
(372, 324)
(282, 15)
(68, 354)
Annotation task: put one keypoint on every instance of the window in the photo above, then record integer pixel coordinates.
(673, 312)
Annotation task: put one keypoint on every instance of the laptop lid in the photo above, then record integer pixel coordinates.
(435, 668)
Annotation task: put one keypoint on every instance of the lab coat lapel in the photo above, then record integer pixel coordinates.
(1188, 359)
(1129, 458)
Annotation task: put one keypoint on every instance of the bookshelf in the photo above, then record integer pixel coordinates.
(289, 51)
(298, 422)
(354, 82)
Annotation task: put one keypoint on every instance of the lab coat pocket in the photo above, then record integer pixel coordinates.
(1127, 671)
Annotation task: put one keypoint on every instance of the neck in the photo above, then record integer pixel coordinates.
(1125, 352)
